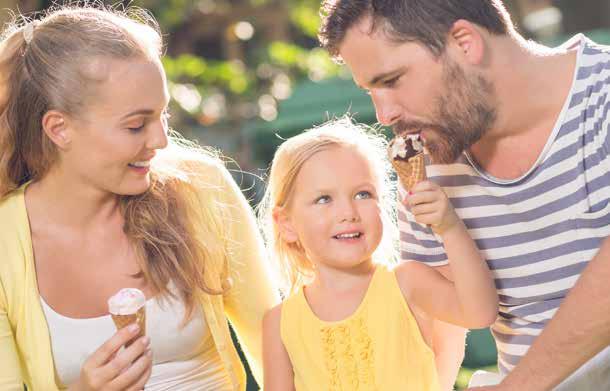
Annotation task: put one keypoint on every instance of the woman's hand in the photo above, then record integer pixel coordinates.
(108, 369)
(430, 206)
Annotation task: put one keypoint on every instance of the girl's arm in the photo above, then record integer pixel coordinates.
(470, 300)
(446, 341)
(277, 368)
(449, 343)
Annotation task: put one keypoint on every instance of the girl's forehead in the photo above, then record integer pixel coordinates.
(337, 166)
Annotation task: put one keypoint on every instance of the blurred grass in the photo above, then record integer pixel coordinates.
(466, 373)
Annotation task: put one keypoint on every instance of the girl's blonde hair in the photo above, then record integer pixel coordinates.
(177, 224)
(290, 260)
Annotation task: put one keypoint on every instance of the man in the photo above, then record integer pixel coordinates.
(518, 136)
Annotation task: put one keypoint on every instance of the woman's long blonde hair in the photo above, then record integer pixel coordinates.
(290, 260)
(177, 225)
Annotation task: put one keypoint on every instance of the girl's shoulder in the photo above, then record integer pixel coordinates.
(409, 274)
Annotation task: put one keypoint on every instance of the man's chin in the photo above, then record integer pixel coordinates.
(443, 158)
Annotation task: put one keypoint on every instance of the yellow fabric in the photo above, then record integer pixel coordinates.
(379, 347)
(25, 348)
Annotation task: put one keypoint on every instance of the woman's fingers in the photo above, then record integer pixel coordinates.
(125, 358)
(141, 382)
(133, 374)
(105, 352)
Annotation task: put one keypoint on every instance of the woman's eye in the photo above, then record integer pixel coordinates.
(363, 195)
(136, 129)
(322, 200)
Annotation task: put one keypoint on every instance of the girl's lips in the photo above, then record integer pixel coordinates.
(349, 236)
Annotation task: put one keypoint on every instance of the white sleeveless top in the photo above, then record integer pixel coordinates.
(183, 358)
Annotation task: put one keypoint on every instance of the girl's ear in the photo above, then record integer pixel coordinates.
(281, 218)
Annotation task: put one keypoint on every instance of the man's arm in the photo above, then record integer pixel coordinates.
(579, 330)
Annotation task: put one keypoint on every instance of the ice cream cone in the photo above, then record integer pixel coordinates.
(410, 172)
(126, 307)
(407, 156)
(139, 317)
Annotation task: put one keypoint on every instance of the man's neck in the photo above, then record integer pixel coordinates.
(531, 86)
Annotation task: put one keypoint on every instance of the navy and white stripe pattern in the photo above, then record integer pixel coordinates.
(537, 232)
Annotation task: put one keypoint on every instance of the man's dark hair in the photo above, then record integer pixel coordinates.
(424, 21)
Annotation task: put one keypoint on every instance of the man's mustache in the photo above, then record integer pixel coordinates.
(406, 127)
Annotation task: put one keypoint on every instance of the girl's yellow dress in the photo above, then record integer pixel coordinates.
(379, 347)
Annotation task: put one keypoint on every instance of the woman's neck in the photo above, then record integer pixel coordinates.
(70, 203)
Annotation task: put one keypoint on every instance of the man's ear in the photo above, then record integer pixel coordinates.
(55, 126)
(466, 41)
(281, 218)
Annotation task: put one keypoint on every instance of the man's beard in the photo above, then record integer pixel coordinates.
(464, 113)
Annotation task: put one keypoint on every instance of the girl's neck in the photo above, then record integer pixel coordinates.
(338, 280)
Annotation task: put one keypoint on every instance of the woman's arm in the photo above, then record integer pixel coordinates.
(279, 375)
(10, 371)
(253, 291)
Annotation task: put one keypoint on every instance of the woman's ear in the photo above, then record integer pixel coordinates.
(281, 218)
(54, 124)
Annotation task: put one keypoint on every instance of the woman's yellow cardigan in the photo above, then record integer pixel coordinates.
(25, 346)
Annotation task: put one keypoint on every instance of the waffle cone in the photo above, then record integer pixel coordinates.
(410, 172)
(139, 317)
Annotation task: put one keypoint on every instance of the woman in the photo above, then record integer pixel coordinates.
(95, 197)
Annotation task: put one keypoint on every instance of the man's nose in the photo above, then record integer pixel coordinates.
(387, 111)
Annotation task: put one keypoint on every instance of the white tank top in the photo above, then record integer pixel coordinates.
(183, 358)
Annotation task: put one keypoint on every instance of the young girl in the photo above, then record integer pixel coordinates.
(95, 196)
(352, 323)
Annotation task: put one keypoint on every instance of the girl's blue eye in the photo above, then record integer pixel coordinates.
(322, 199)
(362, 195)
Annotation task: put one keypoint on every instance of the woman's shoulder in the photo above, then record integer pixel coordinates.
(11, 213)
(13, 240)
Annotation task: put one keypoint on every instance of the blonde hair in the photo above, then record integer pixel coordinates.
(289, 258)
(177, 225)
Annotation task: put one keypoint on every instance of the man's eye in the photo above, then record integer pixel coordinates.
(391, 82)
